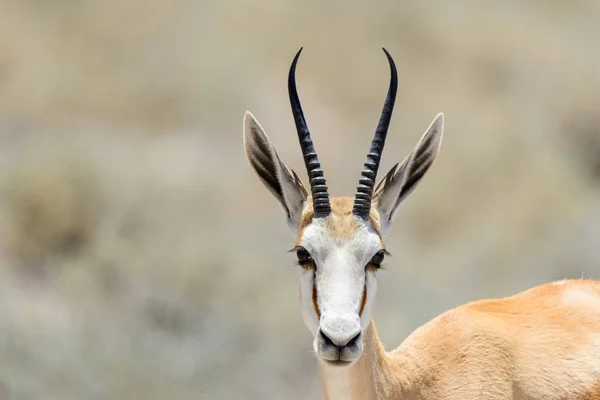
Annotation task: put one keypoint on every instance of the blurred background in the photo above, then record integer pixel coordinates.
(140, 257)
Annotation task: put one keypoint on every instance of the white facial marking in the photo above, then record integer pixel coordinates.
(340, 278)
(309, 314)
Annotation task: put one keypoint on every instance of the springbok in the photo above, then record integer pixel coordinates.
(543, 343)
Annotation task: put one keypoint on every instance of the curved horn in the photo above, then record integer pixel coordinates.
(364, 191)
(318, 186)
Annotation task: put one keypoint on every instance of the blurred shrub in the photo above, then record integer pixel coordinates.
(51, 205)
(581, 130)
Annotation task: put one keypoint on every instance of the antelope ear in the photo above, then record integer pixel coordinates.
(281, 180)
(402, 179)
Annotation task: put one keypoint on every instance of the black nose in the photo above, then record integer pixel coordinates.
(339, 343)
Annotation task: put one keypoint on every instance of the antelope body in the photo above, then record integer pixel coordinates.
(543, 343)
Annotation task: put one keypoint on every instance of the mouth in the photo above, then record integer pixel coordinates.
(337, 363)
(337, 360)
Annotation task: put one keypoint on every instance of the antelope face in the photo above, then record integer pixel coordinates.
(339, 241)
(339, 257)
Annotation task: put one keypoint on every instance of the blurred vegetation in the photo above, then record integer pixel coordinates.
(141, 258)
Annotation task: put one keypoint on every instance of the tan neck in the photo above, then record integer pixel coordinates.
(375, 375)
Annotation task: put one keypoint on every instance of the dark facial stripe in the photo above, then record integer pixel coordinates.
(364, 300)
(314, 299)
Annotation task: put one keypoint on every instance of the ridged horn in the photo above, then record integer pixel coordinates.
(364, 191)
(318, 186)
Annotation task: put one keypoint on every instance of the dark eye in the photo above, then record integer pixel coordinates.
(303, 255)
(377, 259)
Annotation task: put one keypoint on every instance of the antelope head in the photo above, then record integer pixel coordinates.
(339, 241)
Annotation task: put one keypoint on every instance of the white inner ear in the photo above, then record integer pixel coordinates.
(405, 178)
(294, 194)
(274, 173)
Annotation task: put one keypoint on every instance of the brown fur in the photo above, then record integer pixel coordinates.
(543, 343)
(339, 223)
(592, 394)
